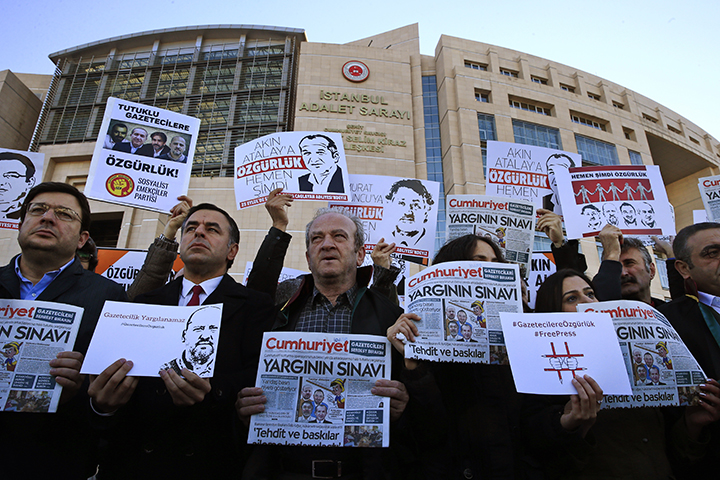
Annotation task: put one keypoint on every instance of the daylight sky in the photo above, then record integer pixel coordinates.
(664, 50)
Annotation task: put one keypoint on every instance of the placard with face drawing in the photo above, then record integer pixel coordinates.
(19, 172)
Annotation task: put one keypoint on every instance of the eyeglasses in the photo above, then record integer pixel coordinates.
(64, 214)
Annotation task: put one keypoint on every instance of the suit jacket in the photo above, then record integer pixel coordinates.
(147, 150)
(126, 147)
(46, 441)
(335, 185)
(152, 438)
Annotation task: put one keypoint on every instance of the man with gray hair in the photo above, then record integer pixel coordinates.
(334, 298)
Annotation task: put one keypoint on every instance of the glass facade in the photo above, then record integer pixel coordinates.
(635, 158)
(433, 150)
(239, 91)
(537, 135)
(596, 152)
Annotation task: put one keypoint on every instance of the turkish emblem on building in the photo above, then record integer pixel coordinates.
(119, 185)
(356, 71)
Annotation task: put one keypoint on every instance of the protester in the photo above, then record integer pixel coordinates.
(54, 222)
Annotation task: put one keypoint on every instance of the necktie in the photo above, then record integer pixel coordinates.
(195, 299)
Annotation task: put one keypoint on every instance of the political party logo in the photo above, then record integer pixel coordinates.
(356, 71)
(119, 185)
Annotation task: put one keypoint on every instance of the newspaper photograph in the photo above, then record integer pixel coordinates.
(659, 366)
(309, 165)
(631, 197)
(318, 390)
(143, 156)
(460, 304)
(31, 334)
(20, 171)
(155, 337)
(403, 211)
(527, 172)
(509, 223)
(710, 192)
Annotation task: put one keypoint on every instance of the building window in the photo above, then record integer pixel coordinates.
(593, 96)
(538, 135)
(596, 152)
(629, 133)
(635, 158)
(649, 118)
(509, 73)
(674, 130)
(540, 80)
(542, 243)
(482, 96)
(433, 150)
(567, 88)
(530, 107)
(695, 140)
(618, 105)
(476, 66)
(588, 122)
(486, 127)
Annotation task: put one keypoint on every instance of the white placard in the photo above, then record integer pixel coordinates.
(547, 350)
(308, 165)
(155, 337)
(631, 197)
(124, 169)
(19, 172)
(527, 172)
(401, 210)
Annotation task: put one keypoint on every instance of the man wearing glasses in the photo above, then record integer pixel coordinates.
(54, 221)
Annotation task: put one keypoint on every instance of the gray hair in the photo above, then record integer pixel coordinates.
(359, 230)
(637, 244)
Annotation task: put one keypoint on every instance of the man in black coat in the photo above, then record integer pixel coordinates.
(181, 426)
(54, 221)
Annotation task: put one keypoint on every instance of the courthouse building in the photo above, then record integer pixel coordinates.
(400, 113)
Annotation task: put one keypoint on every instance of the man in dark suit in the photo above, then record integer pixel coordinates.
(156, 147)
(695, 317)
(137, 139)
(54, 222)
(320, 414)
(181, 426)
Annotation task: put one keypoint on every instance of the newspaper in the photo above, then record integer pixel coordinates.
(710, 192)
(510, 223)
(460, 305)
(32, 333)
(660, 367)
(318, 390)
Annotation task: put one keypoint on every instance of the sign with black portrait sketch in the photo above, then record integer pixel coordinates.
(309, 165)
(19, 172)
(155, 337)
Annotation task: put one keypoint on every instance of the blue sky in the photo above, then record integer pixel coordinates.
(665, 50)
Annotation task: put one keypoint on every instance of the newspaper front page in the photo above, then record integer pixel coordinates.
(318, 390)
(660, 367)
(32, 333)
(460, 305)
(710, 192)
(510, 223)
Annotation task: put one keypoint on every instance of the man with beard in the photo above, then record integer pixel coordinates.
(411, 204)
(200, 337)
(149, 419)
(177, 150)
(611, 214)
(628, 215)
(117, 135)
(157, 146)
